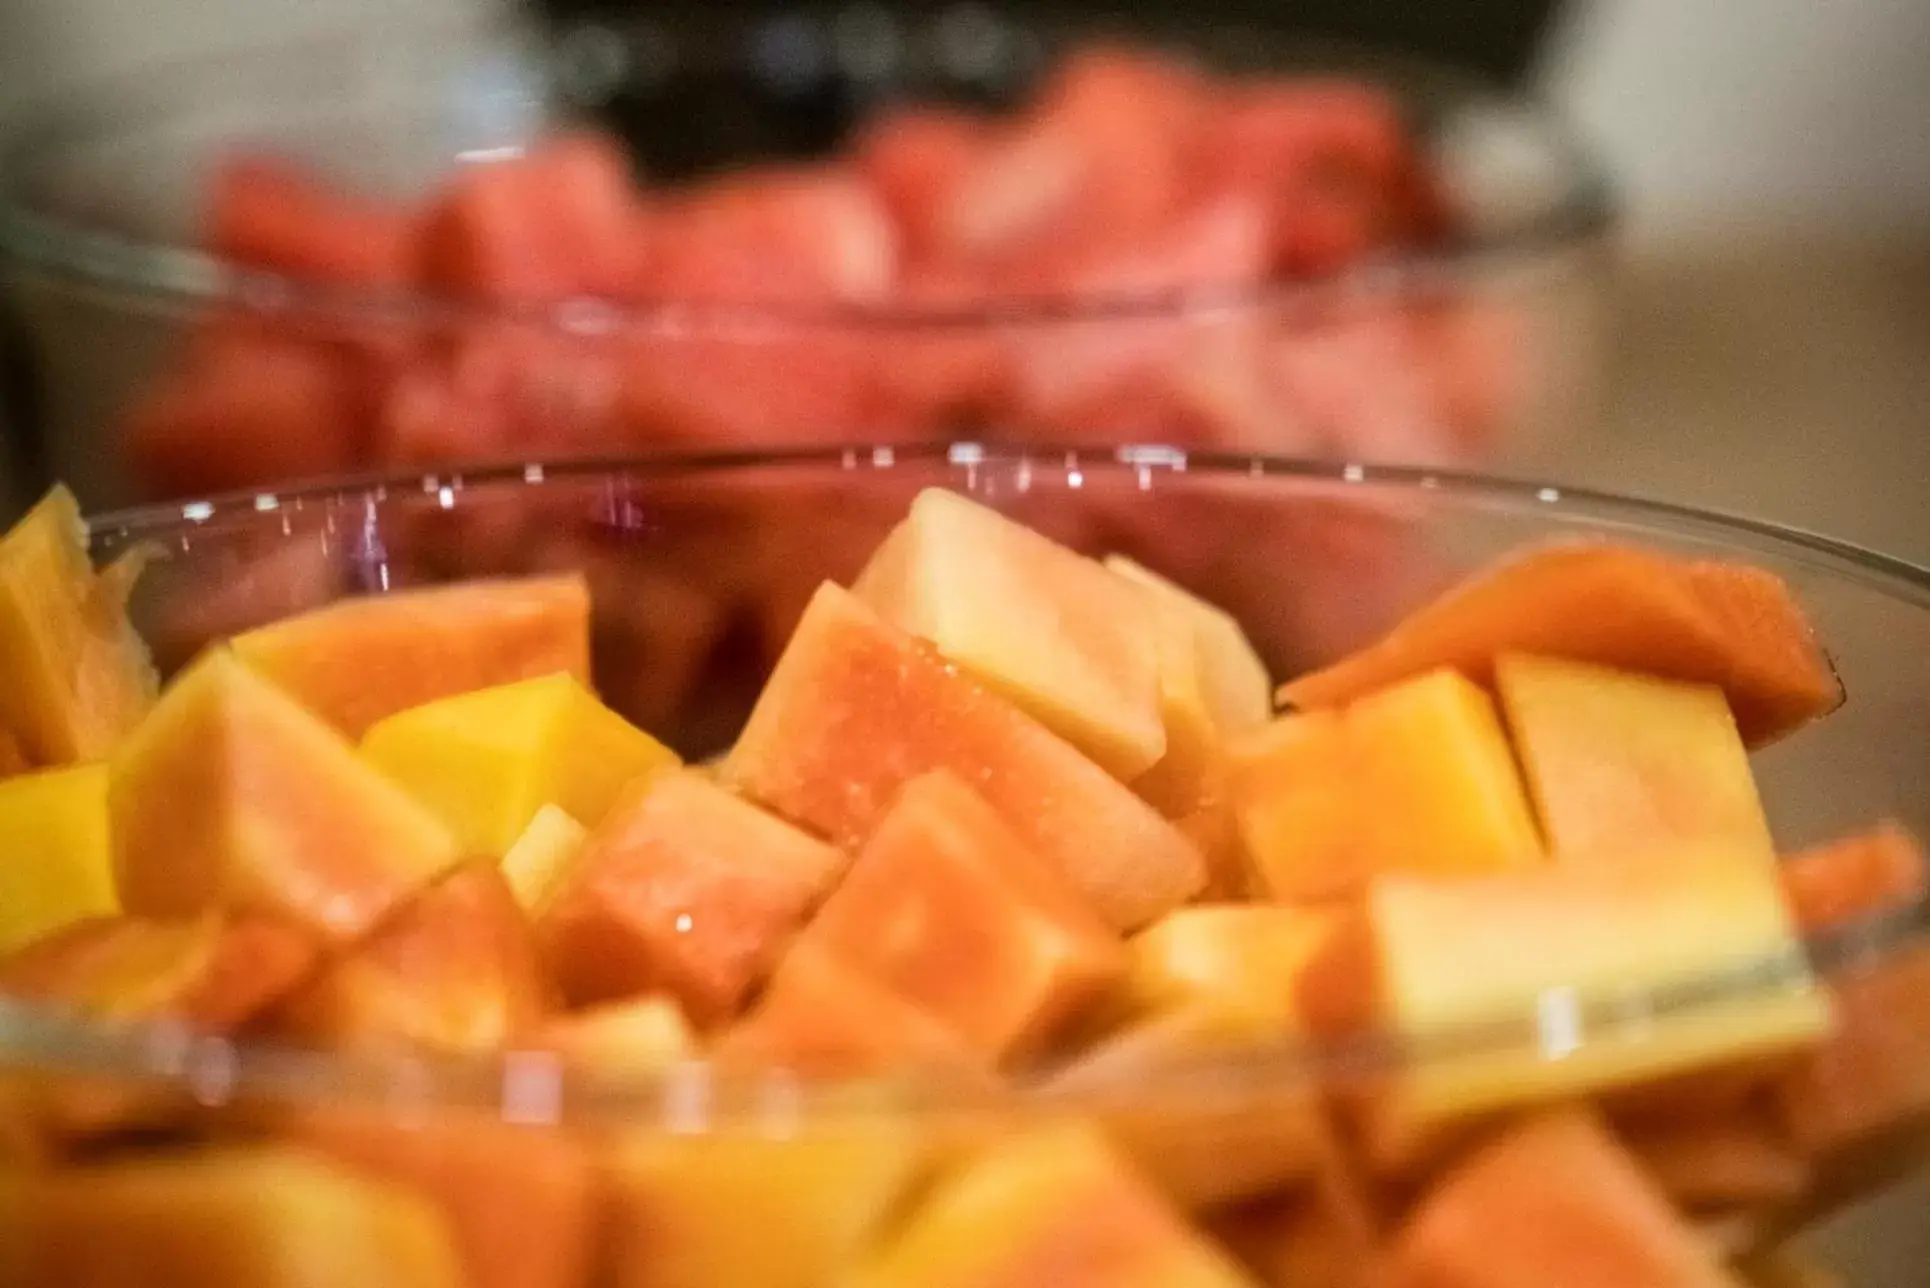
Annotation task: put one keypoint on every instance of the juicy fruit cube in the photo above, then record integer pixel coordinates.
(267, 1218)
(231, 794)
(269, 213)
(57, 865)
(486, 761)
(456, 968)
(1328, 1235)
(1871, 1077)
(621, 1037)
(1543, 946)
(1053, 1206)
(208, 972)
(519, 1202)
(684, 887)
(77, 678)
(1416, 778)
(1247, 956)
(534, 866)
(1737, 1160)
(1234, 680)
(1618, 761)
(947, 908)
(735, 1207)
(1856, 877)
(856, 709)
(1554, 1201)
(1048, 628)
(1621, 606)
(358, 660)
(782, 235)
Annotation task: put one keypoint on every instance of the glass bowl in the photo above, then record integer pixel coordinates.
(1448, 355)
(668, 542)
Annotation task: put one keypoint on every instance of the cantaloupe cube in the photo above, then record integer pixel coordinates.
(536, 863)
(621, 1037)
(1416, 778)
(264, 1218)
(1617, 761)
(1233, 679)
(731, 1206)
(232, 794)
(1249, 956)
(486, 762)
(1052, 1207)
(77, 677)
(855, 709)
(358, 660)
(56, 863)
(948, 908)
(1050, 629)
(455, 968)
(684, 887)
(1553, 1201)
(1559, 981)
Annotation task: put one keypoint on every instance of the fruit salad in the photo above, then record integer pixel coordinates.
(1026, 934)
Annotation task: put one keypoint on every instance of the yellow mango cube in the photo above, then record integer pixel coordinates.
(787, 1210)
(1058, 635)
(77, 678)
(57, 862)
(486, 762)
(1617, 761)
(1415, 778)
(1248, 956)
(536, 863)
(1234, 684)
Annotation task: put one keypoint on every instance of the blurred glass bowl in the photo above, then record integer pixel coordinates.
(1444, 355)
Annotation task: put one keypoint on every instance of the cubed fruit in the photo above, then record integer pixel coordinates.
(455, 968)
(621, 1037)
(1638, 610)
(1859, 876)
(1203, 1143)
(1249, 956)
(486, 761)
(1564, 956)
(1417, 778)
(1553, 1201)
(855, 709)
(57, 865)
(231, 794)
(266, 1218)
(272, 214)
(1871, 1078)
(684, 887)
(358, 660)
(821, 1015)
(519, 1202)
(78, 678)
(914, 158)
(1325, 1235)
(793, 1210)
(1191, 776)
(1054, 1206)
(948, 908)
(535, 865)
(1050, 629)
(209, 972)
(1618, 761)
(1233, 679)
(1739, 1159)
(776, 235)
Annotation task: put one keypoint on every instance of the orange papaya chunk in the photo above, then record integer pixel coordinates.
(855, 709)
(620, 1037)
(455, 968)
(685, 887)
(1553, 1201)
(359, 660)
(1740, 1159)
(1872, 1077)
(520, 1202)
(57, 865)
(948, 908)
(1415, 778)
(1052, 1207)
(1328, 1233)
(1854, 878)
(77, 677)
(269, 1217)
(1247, 956)
(1618, 761)
(1725, 624)
(209, 972)
(232, 794)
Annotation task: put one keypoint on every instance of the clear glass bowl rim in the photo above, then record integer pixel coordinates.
(534, 1088)
(171, 277)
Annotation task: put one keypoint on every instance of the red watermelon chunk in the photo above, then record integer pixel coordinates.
(777, 235)
(277, 216)
(916, 159)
